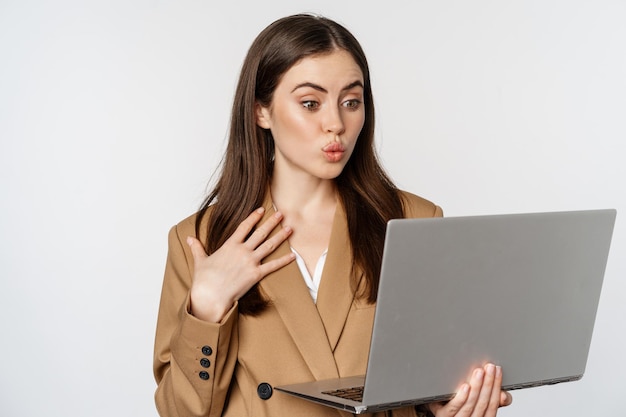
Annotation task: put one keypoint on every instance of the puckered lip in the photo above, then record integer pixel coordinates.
(334, 147)
(334, 152)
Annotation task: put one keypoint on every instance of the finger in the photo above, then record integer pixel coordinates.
(505, 398)
(197, 250)
(276, 264)
(467, 407)
(246, 226)
(486, 392)
(263, 231)
(270, 245)
(453, 406)
(494, 399)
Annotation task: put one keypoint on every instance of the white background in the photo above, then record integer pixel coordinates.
(113, 116)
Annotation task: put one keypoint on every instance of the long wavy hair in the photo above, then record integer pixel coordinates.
(368, 195)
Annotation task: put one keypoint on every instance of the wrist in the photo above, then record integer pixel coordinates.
(205, 309)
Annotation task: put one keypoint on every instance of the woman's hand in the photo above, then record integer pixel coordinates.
(224, 277)
(480, 397)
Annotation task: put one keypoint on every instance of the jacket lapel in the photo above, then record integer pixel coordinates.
(335, 295)
(290, 296)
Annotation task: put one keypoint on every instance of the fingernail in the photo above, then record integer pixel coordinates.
(189, 241)
(498, 371)
(490, 369)
(260, 210)
(479, 373)
(278, 214)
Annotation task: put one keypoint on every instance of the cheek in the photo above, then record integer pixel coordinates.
(289, 120)
(362, 122)
(357, 123)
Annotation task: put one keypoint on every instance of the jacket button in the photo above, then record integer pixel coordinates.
(204, 375)
(205, 363)
(207, 351)
(264, 390)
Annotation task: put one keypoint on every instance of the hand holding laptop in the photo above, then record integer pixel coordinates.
(480, 396)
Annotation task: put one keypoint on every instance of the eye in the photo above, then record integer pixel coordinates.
(310, 105)
(352, 104)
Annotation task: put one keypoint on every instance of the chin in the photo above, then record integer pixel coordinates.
(331, 174)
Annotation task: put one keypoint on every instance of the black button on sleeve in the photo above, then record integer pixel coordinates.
(207, 351)
(264, 390)
(205, 363)
(204, 375)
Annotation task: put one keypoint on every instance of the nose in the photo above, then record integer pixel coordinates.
(333, 121)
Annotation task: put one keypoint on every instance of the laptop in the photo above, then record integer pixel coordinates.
(517, 290)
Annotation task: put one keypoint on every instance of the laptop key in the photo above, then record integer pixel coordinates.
(353, 393)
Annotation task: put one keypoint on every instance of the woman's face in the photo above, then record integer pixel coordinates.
(316, 115)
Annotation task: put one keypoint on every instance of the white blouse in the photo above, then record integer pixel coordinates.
(312, 282)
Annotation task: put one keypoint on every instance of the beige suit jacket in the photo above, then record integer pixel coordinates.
(206, 369)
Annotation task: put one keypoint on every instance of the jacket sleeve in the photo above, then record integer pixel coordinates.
(193, 360)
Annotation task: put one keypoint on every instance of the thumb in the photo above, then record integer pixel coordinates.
(197, 250)
(505, 398)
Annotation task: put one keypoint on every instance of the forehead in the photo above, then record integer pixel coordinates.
(334, 68)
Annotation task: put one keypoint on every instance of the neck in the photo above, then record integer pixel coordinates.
(297, 197)
(308, 206)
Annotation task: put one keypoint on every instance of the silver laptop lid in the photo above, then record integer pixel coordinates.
(518, 290)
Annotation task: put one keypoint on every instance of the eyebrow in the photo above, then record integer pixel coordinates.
(317, 87)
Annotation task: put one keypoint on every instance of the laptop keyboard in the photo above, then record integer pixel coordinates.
(354, 393)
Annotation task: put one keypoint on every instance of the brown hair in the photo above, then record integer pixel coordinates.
(366, 192)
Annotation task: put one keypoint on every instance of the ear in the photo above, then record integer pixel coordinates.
(262, 116)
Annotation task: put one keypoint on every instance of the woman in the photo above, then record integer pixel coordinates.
(272, 282)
